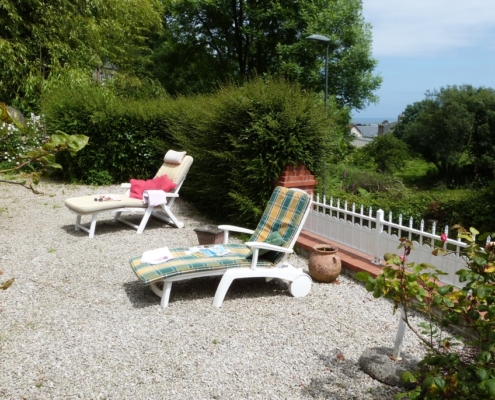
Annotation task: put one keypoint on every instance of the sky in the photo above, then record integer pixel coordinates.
(425, 45)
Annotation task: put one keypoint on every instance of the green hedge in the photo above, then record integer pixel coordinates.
(240, 137)
(469, 208)
(121, 132)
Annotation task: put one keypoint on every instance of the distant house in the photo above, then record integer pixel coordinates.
(105, 72)
(363, 134)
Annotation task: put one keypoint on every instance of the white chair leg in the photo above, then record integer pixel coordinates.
(93, 226)
(78, 221)
(167, 287)
(144, 220)
(222, 288)
(176, 222)
(117, 216)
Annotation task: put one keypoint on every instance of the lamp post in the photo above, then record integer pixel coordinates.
(326, 41)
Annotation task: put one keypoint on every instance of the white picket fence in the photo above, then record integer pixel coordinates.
(372, 234)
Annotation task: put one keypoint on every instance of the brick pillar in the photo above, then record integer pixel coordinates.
(296, 177)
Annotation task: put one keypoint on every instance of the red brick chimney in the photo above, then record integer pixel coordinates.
(296, 177)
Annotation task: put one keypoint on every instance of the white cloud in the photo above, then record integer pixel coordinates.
(412, 28)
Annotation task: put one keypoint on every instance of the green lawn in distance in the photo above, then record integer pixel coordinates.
(414, 171)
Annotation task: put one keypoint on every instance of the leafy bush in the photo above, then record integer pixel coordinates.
(385, 153)
(451, 369)
(243, 137)
(121, 130)
(240, 137)
(468, 207)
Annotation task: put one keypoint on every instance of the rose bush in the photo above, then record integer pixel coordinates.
(454, 367)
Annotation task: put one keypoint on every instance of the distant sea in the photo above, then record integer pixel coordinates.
(371, 121)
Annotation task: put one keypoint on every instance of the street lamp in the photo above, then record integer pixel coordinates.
(325, 40)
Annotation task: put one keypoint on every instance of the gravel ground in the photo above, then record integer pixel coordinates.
(77, 324)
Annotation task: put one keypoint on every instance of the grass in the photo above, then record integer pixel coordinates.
(414, 171)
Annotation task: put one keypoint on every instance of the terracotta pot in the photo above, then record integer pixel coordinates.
(324, 263)
(209, 234)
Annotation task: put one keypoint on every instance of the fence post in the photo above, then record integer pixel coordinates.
(380, 218)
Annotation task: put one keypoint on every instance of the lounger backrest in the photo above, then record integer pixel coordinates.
(176, 173)
(285, 213)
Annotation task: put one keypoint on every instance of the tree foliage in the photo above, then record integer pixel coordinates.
(454, 128)
(39, 38)
(206, 42)
(386, 153)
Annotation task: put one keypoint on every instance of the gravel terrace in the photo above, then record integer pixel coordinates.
(77, 324)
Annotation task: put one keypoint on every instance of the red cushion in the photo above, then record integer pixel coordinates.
(164, 183)
(138, 186)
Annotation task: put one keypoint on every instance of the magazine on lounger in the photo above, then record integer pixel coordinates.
(216, 250)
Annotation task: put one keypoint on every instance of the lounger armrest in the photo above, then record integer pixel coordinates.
(231, 228)
(235, 229)
(172, 194)
(256, 246)
(267, 246)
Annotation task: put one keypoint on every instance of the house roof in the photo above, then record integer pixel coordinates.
(371, 131)
(368, 131)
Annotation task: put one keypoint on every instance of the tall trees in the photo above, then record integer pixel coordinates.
(42, 37)
(206, 42)
(454, 128)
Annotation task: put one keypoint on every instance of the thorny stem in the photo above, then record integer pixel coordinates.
(402, 278)
(30, 187)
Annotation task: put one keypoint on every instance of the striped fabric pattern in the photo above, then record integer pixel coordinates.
(175, 172)
(283, 214)
(184, 263)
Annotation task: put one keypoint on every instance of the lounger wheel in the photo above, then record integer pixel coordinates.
(300, 286)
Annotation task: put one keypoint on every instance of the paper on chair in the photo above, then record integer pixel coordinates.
(156, 256)
(209, 251)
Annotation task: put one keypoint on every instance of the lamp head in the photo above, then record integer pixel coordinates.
(318, 38)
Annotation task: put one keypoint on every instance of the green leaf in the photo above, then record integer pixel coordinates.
(484, 357)
(362, 276)
(76, 143)
(482, 374)
(408, 377)
(484, 291)
(443, 290)
(439, 382)
(370, 286)
(389, 273)
(448, 302)
(428, 381)
(490, 385)
(474, 314)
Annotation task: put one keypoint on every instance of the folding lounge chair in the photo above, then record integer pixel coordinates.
(176, 166)
(281, 223)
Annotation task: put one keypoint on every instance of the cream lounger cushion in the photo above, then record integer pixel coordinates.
(85, 205)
